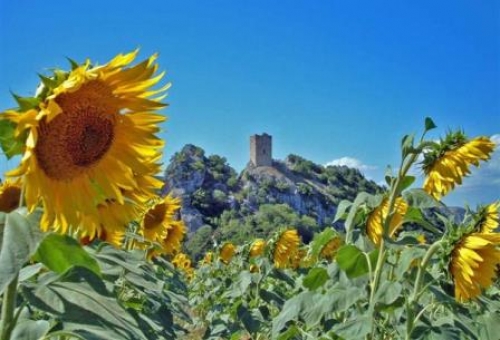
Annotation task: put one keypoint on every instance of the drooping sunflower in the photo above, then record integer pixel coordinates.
(286, 248)
(257, 248)
(159, 218)
(91, 137)
(449, 162)
(489, 218)
(474, 263)
(227, 252)
(330, 249)
(10, 195)
(376, 219)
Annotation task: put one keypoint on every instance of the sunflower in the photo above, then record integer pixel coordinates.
(489, 218)
(474, 263)
(376, 219)
(329, 250)
(115, 238)
(227, 252)
(286, 248)
(257, 248)
(208, 258)
(172, 243)
(446, 165)
(10, 195)
(181, 261)
(158, 219)
(90, 138)
(112, 218)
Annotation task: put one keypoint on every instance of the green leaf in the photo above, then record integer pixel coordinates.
(388, 292)
(11, 145)
(407, 144)
(354, 329)
(29, 271)
(20, 238)
(353, 261)
(290, 312)
(61, 252)
(361, 198)
(420, 199)
(429, 124)
(271, 297)
(315, 278)
(414, 215)
(406, 182)
(489, 326)
(341, 210)
(30, 330)
(83, 306)
(344, 297)
(252, 325)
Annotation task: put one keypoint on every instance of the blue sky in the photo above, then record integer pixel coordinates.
(332, 81)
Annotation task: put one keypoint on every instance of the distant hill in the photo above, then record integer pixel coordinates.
(218, 203)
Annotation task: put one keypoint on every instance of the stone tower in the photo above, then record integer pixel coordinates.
(261, 147)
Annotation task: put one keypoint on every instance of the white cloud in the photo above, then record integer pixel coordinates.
(351, 163)
(496, 139)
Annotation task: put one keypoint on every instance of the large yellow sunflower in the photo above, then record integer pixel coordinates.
(90, 139)
(286, 248)
(257, 248)
(10, 195)
(227, 252)
(474, 263)
(446, 167)
(376, 219)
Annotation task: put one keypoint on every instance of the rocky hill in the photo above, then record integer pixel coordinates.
(217, 202)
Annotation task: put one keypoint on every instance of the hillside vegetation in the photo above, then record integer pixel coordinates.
(218, 204)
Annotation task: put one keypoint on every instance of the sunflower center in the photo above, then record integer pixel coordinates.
(9, 199)
(155, 216)
(80, 136)
(91, 141)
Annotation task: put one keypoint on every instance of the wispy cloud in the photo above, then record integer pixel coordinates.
(351, 163)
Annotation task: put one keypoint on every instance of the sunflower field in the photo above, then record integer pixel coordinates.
(90, 250)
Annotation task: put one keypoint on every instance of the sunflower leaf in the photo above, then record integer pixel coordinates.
(61, 252)
(20, 238)
(354, 262)
(429, 124)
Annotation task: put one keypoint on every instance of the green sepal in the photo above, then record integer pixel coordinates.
(26, 103)
(10, 144)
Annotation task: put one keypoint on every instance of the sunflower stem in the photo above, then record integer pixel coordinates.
(413, 301)
(8, 307)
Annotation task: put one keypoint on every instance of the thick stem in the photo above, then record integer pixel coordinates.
(412, 303)
(8, 308)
